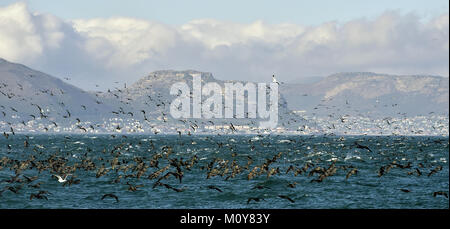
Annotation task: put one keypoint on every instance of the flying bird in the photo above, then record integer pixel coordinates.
(286, 198)
(215, 188)
(60, 179)
(274, 80)
(110, 195)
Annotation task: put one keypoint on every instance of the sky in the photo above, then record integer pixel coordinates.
(177, 12)
(99, 41)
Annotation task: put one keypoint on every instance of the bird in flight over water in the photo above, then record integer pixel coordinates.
(274, 80)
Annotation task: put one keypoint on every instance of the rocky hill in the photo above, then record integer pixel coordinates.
(38, 100)
(371, 94)
(27, 94)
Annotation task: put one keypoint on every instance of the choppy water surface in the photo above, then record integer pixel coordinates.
(226, 159)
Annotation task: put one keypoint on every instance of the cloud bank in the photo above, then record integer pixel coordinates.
(103, 50)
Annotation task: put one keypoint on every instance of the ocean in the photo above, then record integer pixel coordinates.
(286, 172)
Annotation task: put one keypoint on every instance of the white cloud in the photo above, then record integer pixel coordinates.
(125, 47)
(215, 33)
(19, 37)
(132, 41)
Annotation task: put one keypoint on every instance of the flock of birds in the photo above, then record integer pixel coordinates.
(161, 167)
(122, 103)
(149, 106)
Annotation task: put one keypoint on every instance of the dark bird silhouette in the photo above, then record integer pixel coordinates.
(41, 195)
(71, 181)
(172, 188)
(81, 128)
(419, 173)
(110, 195)
(292, 185)
(233, 129)
(15, 189)
(440, 193)
(286, 198)
(133, 188)
(214, 187)
(30, 179)
(353, 171)
(37, 185)
(359, 146)
(13, 179)
(256, 199)
(435, 170)
(384, 169)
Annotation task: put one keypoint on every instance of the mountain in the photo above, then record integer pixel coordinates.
(151, 94)
(344, 103)
(25, 93)
(371, 94)
(34, 101)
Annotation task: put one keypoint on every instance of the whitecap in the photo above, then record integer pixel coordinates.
(351, 156)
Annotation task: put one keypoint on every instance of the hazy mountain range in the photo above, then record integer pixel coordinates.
(24, 91)
(366, 93)
(27, 94)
